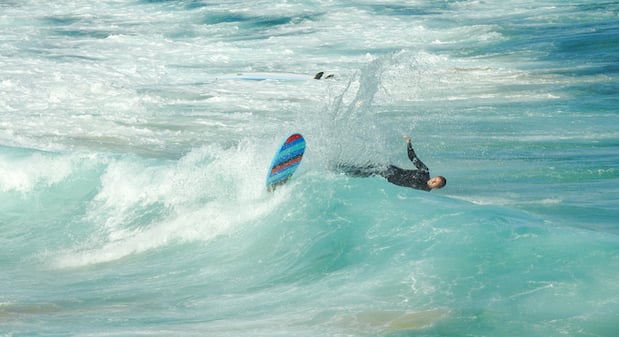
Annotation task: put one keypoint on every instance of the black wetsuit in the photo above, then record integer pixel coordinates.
(417, 179)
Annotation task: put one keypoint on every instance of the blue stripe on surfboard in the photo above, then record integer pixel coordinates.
(282, 175)
(297, 145)
(286, 169)
(284, 165)
(286, 158)
(292, 150)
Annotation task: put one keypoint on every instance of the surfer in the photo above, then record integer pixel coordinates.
(418, 179)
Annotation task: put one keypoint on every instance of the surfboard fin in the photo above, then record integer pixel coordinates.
(320, 75)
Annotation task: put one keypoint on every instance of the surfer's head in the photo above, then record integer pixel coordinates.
(437, 182)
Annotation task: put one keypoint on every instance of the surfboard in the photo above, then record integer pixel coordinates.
(274, 77)
(286, 160)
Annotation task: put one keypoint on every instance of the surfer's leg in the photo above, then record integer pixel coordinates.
(359, 170)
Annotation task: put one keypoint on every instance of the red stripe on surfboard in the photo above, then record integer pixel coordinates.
(286, 164)
(292, 138)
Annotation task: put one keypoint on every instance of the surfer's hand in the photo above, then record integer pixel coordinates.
(407, 139)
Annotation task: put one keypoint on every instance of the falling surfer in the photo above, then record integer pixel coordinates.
(417, 179)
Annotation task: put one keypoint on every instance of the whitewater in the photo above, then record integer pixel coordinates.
(133, 166)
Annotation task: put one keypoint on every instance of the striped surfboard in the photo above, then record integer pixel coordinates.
(285, 161)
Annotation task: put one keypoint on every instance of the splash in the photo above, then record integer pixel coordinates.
(350, 129)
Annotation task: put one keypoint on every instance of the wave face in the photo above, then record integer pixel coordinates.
(132, 169)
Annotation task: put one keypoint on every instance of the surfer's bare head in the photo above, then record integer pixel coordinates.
(437, 182)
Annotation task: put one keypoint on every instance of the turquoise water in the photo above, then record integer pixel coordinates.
(132, 198)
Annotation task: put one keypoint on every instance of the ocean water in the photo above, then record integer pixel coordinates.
(132, 197)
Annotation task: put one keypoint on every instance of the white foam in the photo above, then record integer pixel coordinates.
(25, 173)
(207, 193)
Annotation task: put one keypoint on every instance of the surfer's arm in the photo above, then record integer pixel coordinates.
(412, 156)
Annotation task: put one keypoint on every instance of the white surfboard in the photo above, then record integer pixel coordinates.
(268, 76)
